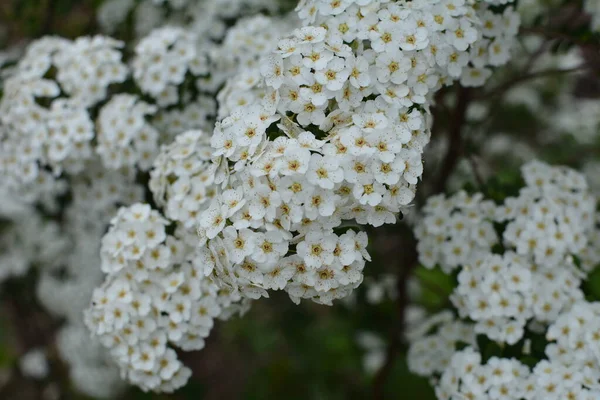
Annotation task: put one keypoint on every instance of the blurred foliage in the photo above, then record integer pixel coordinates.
(24, 19)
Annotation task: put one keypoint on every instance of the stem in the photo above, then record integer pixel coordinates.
(406, 265)
(555, 35)
(501, 89)
(455, 144)
(476, 173)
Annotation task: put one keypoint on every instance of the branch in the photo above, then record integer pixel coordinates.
(406, 265)
(476, 172)
(48, 22)
(555, 35)
(455, 145)
(501, 89)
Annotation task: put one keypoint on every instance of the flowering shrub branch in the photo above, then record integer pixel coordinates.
(209, 154)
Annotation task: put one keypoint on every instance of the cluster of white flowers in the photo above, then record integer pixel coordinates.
(28, 240)
(182, 178)
(66, 295)
(536, 277)
(318, 132)
(578, 118)
(162, 60)
(551, 218)
(350, 95)
(207, 18)
(124, 136)
(498, 378)
(417, 44)
(592, 7)
(246, 45)
(44, 106)
(502, 293)
(152, 296)
(66, 289)
(521, 264)
(454, 229)
(570, 368)
(434, 341)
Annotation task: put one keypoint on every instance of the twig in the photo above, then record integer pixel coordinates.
(501, 89)
(48, 22)
(455, 145)
(476, 172)
(555, 35)
(406, 266)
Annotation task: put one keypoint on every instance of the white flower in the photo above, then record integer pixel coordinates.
(213, 219)
(317, 249)
(324, 172)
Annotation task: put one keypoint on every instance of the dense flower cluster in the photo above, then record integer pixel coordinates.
(521, 264)
(125, 138)
(417, 44)
(431, 353)
(209, 18)
(498, 378)
(162, 60)
(338, 135)
(44, 107)
(182, 178)
(322, 119)
(246, 45)
(569, 369)
(153, 296)
(536, 277)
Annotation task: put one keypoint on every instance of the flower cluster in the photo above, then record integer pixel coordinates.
(593, 8)
(569, 370)
(207, 18)
(578, 118)
(538, 231)
(162, 60)
(520, 266)
(247, 44)
(552, 216)
(66, 295)
(417, 44)
(337, 135)
(434, 342)
(498, 378)
(44, 107)
(153, 296)
(125, 138)
(182, 178)
(28, 240)
(453, 229)
(502, 293)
